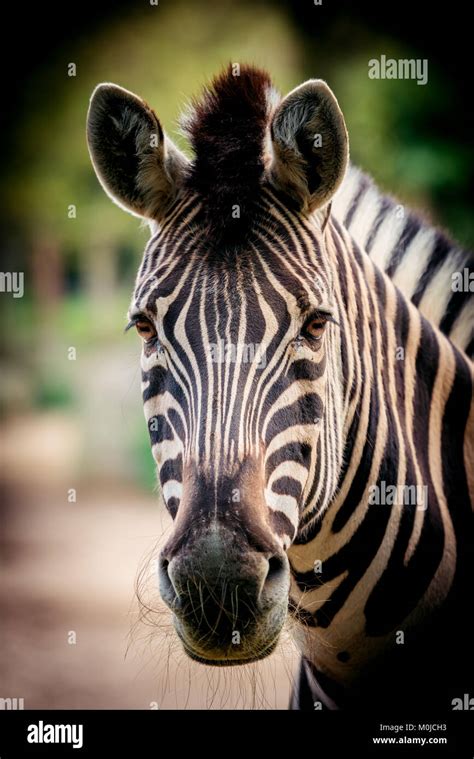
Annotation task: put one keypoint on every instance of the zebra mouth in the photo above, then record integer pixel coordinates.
(223, 661)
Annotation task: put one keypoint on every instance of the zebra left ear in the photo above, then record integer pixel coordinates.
(310, 145)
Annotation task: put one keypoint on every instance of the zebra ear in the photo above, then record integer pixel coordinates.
(138, 166)
(310, 145)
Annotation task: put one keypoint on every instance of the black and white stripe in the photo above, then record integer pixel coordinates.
(419, 258)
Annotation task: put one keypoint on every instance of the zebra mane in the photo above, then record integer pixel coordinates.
(227, 128)
(420, 258)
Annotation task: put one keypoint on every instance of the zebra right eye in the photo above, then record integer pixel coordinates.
(145, 329)
(314, 327)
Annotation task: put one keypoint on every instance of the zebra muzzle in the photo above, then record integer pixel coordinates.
(228, 598)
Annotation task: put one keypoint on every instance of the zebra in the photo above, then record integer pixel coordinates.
(270, 461)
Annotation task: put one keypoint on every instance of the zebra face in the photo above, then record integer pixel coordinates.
(234, 387)
(233, 304)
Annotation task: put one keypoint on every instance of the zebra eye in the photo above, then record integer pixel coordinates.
(314, 328)
(145, 329)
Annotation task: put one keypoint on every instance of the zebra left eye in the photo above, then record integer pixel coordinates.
(146, 330)
(314, 328)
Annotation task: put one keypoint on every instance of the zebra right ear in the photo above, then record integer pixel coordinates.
(310, 145)
(138, 166)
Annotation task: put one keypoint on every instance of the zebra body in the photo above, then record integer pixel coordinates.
(276, 468)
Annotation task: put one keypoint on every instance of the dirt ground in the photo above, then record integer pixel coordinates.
(71, 633)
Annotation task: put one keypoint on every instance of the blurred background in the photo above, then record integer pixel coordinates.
(79, 513)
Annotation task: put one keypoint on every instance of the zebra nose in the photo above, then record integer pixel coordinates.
(220, 583)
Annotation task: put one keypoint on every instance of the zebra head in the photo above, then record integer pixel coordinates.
(241, 360)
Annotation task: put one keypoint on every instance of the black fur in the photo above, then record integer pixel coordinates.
(227, 129)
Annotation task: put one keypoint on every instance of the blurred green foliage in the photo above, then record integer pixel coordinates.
(52, 392)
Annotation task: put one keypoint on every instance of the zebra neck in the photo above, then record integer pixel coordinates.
(420, 259)
(382, 554)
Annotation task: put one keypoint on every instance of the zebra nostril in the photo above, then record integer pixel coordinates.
(276, 569)
(167, 589)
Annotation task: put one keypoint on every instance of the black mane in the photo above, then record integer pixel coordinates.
(227, 128)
